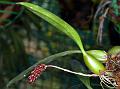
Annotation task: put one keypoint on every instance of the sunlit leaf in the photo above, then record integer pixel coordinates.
(60, 24)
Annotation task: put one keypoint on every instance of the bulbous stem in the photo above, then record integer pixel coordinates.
(94, 65)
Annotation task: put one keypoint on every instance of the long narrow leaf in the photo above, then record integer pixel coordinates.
(55, 21)
(45, 60)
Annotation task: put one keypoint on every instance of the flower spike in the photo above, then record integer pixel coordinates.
(36, 72)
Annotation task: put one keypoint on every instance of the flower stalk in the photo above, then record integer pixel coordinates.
(76, 73)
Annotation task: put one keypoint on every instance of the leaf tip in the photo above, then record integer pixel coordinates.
(20, 3)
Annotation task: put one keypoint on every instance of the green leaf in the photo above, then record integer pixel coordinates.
(8, 12)
(6, 2)
(45, 60)
(60, 24)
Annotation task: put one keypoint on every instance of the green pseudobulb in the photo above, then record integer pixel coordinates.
(93, 64)
(114, 50)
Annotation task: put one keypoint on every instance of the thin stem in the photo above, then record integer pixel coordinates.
(100, 30)
(77, 73)
(102, 5)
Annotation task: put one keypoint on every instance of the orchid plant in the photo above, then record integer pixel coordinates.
(93, 59)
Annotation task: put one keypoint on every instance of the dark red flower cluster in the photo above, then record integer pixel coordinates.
(36, 73)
